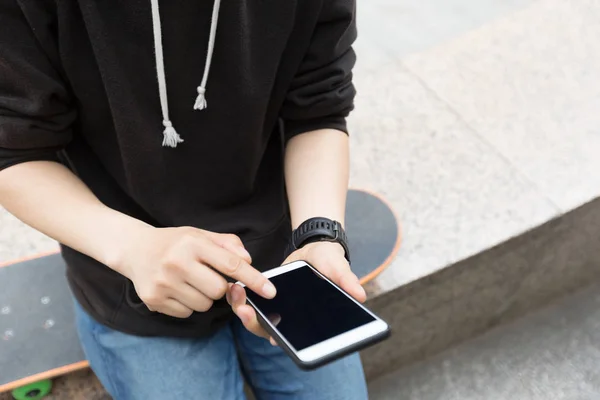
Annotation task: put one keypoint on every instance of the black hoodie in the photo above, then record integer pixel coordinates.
(80, 84)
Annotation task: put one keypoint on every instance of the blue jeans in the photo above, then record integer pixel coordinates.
(213, 368)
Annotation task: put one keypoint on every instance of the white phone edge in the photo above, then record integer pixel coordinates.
(336, 343)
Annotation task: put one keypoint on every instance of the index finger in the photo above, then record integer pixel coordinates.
(237, 268)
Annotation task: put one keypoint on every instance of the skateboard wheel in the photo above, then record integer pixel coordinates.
(33, 391)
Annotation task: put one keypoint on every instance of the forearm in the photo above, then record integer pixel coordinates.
(316, 175)
(50, 198)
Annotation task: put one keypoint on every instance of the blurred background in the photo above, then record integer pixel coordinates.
(479, 120)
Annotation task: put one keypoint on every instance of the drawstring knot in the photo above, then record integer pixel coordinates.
(170, 136)
(200, 103)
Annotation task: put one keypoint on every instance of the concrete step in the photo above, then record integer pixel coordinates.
(552, 354)
(496, 286)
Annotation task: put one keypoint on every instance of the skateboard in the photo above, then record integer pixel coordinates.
(38, 338)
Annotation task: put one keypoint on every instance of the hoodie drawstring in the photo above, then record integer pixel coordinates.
(200, 103)
(170, 136)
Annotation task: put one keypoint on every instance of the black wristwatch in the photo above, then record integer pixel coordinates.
(318, 229)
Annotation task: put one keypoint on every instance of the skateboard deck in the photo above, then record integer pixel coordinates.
(38, 338)
(373, 233)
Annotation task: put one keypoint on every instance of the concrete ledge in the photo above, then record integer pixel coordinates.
(471, 296)
(552, 353)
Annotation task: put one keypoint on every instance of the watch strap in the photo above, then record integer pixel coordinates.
(320, 229)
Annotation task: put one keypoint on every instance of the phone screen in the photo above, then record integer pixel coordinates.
(308, 310)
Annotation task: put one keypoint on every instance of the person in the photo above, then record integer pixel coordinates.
(172, 148)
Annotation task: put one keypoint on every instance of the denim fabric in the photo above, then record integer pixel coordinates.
(214, 368)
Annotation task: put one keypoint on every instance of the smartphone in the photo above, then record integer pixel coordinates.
(313, 320)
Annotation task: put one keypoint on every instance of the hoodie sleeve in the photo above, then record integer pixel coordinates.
(36, 111)
(321, 95)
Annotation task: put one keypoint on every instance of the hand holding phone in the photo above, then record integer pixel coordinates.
(329, 258)
(312, 318)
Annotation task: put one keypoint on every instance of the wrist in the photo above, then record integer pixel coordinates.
(123, 236)
(333, 245)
